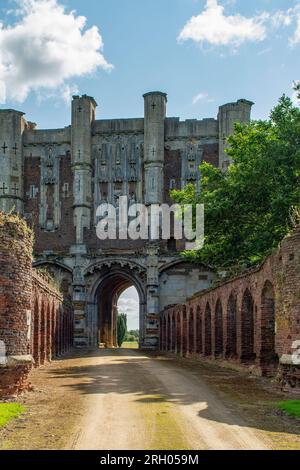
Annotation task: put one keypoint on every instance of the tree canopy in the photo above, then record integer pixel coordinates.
(248, 208)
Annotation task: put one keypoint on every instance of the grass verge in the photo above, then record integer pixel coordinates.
(130, 345)
(290, 407)
(9, 411)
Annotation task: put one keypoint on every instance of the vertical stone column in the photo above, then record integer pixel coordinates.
(151, 326)
(79, 304)
(12, 125)
(229, 115)
(83, 115)
(15, 303)
(154, 145)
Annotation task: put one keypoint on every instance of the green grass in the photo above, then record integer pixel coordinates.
(290, 407)
(130, 345)
(9, 411)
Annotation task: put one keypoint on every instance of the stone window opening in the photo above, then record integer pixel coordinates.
(172, 184)
(33, 191)
(65, 190)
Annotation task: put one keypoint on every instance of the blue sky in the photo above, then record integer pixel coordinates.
(140, 40)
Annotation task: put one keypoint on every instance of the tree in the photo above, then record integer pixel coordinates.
(247, 208)
(132, 336)
(297, 89)
(121, 328)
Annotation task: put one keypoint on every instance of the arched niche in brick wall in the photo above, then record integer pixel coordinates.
(207, 331)
(173, 332)
(267, 353)
(191, 331)
(199, 335)
(231, 343)
(184, 331)
(178, 333)
(247, 327)
(218, 329)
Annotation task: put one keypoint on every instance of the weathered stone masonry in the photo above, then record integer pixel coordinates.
(35, 322)
(253, 319)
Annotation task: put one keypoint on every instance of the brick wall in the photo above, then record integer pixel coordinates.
(253, 319)
(52, 321)
(36, 323)
(64, 237)
(15, 302)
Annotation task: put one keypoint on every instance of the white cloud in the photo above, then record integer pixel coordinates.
(45, 48)
(68, 91)
(295, 39)
(282, 18)
(214, 27)
(201, 97)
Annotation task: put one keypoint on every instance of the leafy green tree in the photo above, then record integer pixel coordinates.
(248, 208)
(121, 328)
(132, 336)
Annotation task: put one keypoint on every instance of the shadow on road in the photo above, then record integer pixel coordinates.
(140, 373)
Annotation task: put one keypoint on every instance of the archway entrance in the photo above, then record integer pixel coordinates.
(128, 304)
(110, 282)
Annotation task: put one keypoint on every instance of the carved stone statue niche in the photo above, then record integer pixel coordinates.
(118, 174)
(103, 176)
(191, 152)
(104, 155)
(132, 174)
(49, 174)
(50, 158)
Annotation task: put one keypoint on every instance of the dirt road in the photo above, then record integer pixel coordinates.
(127, 399)
(135, 402)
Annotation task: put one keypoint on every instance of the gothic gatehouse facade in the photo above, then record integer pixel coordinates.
(57, 178)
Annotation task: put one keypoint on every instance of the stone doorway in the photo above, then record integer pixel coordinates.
(112, 282)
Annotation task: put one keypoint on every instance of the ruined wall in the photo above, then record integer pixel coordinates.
(253, 319)
(36, 323)
(15, 302)
(52, 321)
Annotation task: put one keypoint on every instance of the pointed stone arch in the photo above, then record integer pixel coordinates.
(108, 279)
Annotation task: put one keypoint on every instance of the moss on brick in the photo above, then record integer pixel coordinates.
(15, 235)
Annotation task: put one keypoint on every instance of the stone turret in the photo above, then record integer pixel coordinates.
(229, 114)
(12, 125)
(83, 115)
(155, 114)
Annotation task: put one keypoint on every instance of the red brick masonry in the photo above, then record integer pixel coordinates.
(253, 319)
(36, 324)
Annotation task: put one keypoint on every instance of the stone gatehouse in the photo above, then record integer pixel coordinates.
(56, 179)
